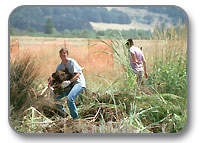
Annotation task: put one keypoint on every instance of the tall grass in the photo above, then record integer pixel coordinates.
(170, 76)
(23, 74)
(166, 109)
(169, 72)
(122, 58)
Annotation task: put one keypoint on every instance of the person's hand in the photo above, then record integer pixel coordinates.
(50, 78)
(49, 81)
(65, 83)
(146, 75)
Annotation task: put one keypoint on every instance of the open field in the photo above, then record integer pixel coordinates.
(88, 52)
(46, 52)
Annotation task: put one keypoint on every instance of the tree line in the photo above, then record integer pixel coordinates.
(62, 18)
(84, 33)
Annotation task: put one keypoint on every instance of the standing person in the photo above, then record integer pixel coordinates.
(77, 80)
(136, 60)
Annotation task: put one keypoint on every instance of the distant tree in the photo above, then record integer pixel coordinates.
(12, 30)
(48, 27)
(85, 32)
(30, 29)
(100, 33)
(66, 32)
(76, 33)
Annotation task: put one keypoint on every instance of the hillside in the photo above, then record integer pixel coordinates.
(34, 18)
(63, 18)
(141, 18)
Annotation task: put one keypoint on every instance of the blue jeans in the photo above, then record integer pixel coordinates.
(71, 96)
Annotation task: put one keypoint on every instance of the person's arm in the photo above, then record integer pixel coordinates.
(76, 69)
(68, 82)
(145, 68)
(75, 77)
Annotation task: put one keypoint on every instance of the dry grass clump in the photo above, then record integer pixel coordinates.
(23, 74)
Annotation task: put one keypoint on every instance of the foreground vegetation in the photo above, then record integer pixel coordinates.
(118, 105)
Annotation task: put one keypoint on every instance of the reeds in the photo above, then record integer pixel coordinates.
(166, 109)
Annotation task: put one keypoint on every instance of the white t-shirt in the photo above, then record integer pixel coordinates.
(73, 67)
(139, 57)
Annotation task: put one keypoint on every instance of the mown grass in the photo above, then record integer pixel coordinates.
(119, 105)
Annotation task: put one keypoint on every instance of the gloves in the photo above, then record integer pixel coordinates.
(65, 83)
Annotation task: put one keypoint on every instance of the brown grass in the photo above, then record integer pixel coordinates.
(88, 53)
(14, 50)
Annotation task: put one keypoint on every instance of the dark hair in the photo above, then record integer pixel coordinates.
(129, 42)
(63, 49)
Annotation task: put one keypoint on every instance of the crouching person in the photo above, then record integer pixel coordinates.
(77, 81)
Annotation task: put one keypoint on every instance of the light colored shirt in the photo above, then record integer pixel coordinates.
(73, 67)
(139, 57)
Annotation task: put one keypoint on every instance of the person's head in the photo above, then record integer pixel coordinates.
(63, 53)
(129, 43)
